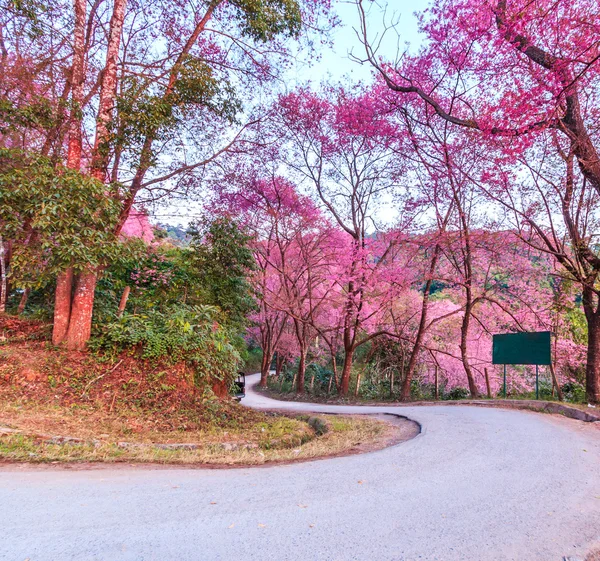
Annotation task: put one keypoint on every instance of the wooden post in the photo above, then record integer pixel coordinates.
(123, 301)
(487, 383)
(312, 382)
(357, 384)
(330, 382)
(392, 383)
(437, 387)
(555, 382)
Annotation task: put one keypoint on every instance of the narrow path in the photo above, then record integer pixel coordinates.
(476, 485)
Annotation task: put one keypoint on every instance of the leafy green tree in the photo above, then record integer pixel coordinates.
(223, 261)
(55, 218)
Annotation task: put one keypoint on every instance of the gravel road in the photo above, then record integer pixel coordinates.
(477, 484)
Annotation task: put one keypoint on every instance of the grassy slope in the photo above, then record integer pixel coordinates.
(120, 408)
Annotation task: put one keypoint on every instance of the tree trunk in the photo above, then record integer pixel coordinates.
(464, 333)
(23, 301)
(414, 355)
(301, 372)
(64, 281)
(80, 325)
(123, 302)
(77, 85)
(346, 371)
(592, 371)
(62, 306)
(334, 370)
(555, 383)
(357, 389)
(3, 278)
(265, 364)
(487, 383)
(108, 93)
(278, 365)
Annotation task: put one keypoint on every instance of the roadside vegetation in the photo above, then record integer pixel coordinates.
(370, 382)
(62, 406)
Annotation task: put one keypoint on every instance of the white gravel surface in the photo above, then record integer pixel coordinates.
(476, 485)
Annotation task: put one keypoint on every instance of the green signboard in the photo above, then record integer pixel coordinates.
(522, 348)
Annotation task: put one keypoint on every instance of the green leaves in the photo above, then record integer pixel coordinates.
(37, 113)
(263, 20)
(145, 111)
(223, 260)
(197, 84)
(56, 217)
(179, 333)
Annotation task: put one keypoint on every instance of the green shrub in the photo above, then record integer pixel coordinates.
(177, 334)
(457, 393)
(574, 392)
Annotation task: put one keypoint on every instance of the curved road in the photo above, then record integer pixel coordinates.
(477, 484)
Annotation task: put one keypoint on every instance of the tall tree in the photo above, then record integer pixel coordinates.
(341, 145)
(545, 65)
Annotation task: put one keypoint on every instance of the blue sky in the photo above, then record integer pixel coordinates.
(335, 63)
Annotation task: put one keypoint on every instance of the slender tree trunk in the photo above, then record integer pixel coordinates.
(77, 86)
(62, 306)
(464, 334)
(301, 372)
(123, 302)
(23, 301)
(414, 355)
(357, 389)
(334, 370)
(555, 383)
(80, 324)
(3, 278)
(108, 92)
(487, 383)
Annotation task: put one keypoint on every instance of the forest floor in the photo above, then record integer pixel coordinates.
(61, 406)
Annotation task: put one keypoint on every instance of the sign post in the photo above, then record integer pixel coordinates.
(522, 348)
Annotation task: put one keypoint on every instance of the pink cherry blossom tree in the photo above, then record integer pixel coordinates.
(513, 74)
